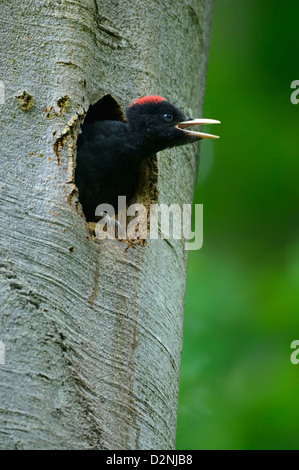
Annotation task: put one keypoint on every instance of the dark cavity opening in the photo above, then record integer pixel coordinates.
(106, 109)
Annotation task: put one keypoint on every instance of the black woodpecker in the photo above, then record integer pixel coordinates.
(110, 152)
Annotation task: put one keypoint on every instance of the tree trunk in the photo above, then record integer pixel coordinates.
(92, 332)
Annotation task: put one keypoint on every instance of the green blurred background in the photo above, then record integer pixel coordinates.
(239, 389)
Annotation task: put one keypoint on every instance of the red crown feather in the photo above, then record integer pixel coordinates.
(148, 99)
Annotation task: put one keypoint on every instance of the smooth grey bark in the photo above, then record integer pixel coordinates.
(92, 333)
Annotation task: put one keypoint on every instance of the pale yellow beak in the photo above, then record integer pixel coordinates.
(198, 122)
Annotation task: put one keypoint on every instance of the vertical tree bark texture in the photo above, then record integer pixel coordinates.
(92, 333)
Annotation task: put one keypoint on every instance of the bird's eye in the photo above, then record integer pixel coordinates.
(168, 117)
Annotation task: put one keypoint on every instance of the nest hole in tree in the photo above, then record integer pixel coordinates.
(145, 192)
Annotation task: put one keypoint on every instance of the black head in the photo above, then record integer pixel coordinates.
(156, 124)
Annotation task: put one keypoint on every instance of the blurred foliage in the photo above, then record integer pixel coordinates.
(239, 389)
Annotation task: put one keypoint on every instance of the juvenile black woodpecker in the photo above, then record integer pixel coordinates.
(109, 153)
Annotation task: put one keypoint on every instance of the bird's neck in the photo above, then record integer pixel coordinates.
(144, 146)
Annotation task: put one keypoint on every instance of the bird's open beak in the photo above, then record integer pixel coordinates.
(197, 122)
